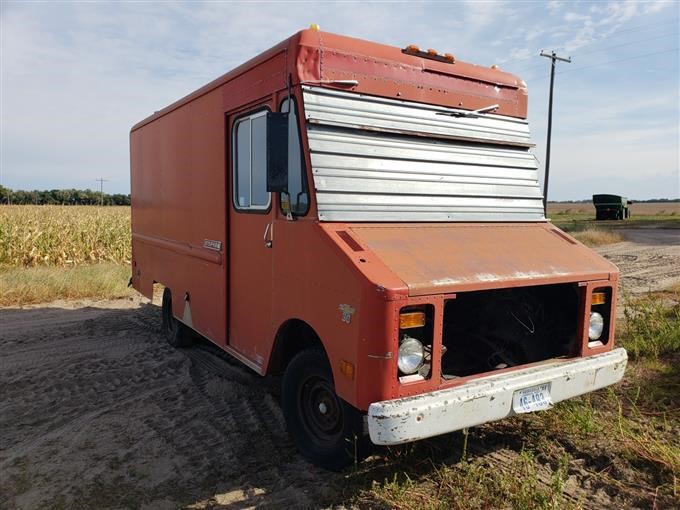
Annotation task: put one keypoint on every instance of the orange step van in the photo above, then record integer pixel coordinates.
(367, 222)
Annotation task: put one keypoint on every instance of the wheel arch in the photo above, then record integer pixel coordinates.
(292, 337)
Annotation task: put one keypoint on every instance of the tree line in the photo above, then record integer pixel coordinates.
(61, 197)
(635, 200)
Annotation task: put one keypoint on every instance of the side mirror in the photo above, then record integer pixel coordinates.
(277, 152)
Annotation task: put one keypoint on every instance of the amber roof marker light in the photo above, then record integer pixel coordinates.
(430, 54)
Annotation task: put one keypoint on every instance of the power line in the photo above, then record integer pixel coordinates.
(607, 62)
(626, 44)
(640, 27)
(581, 53)
(595, 41)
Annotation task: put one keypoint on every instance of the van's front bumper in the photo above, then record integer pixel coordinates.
(488, 398)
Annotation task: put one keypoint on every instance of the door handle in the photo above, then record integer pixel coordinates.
(268, 236)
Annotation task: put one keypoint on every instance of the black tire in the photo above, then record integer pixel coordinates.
(326, 429)
(176, 333)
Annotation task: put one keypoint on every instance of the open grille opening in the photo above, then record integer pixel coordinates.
(495, 329)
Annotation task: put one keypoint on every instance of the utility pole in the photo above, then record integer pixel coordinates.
(101, 189)
(553, 57)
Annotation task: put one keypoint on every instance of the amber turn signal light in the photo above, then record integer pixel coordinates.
(599, 298)
(411, 320)
(347, 369)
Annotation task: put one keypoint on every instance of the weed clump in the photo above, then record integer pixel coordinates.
(596, 237)
(651, 328)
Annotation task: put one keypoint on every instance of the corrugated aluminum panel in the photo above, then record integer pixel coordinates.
(346, 109)
(369, 164)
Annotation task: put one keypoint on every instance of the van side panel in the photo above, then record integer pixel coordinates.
(178, 203)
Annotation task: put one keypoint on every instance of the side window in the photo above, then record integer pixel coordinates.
(298, 196)
(250, 165)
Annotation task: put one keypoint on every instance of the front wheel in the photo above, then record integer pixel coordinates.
(325, 428)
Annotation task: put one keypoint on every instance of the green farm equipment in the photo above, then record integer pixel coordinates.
(611, 207)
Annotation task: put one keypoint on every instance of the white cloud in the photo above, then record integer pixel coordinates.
(554, 6)
(572, 16)
(657, 5)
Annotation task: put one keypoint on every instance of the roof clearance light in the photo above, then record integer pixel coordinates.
(314, 26)
(494, 66)
(430, 54)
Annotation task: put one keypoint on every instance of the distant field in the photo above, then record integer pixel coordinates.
(580, 217)
(637, 209)
(52, 252)
(52, 235)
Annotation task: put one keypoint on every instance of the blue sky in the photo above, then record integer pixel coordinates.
(74, 77)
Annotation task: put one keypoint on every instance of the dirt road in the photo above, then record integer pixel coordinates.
(97, 411)
(649, 259)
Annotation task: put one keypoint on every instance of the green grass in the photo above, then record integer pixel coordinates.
(19, 286)
(652, 326)
(422, 480)
(576, 222)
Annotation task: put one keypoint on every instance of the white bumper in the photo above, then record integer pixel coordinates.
(489, 398)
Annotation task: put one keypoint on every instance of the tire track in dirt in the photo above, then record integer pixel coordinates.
(98, 411)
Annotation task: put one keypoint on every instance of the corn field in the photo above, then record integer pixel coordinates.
(63, 235)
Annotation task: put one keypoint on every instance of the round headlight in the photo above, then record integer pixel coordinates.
(410, 355)
(596, 326)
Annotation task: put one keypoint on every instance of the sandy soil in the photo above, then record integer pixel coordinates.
(649, 259)
(97, 411)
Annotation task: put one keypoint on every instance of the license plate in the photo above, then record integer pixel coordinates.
(534, 398)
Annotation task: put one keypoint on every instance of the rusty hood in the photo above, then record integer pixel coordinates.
(444, 258)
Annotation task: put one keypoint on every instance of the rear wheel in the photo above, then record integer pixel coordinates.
(325, 428)
(176, 333)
